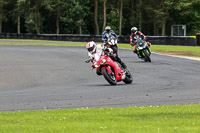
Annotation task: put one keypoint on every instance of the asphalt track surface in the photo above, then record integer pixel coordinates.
(56, 77)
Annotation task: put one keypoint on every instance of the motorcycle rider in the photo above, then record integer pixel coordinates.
(114, 47)
(134, 32)
(108, 31)
(94, 52)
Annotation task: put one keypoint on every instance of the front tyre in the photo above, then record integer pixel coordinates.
(109, 77)
(128, 79)
(147, 56)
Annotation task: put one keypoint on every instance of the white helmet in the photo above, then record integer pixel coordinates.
(108, 28)
(134, 30)
(91, 46)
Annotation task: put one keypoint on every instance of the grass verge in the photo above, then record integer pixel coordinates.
(168, 119)
(174, 50)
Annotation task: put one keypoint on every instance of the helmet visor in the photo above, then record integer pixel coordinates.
(133, 31)
(91, 49)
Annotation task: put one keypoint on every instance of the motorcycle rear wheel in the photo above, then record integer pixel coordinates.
(110, 78)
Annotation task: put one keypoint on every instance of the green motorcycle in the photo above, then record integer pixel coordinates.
(143, 50)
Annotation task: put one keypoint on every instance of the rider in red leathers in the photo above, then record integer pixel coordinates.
(134, 31)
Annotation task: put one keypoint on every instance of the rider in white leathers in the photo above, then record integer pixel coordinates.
(94, 51)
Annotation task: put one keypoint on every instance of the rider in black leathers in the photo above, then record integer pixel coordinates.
(114, 47)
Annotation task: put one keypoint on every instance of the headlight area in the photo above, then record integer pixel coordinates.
(102, 62)
(96, 66)
(140, 48)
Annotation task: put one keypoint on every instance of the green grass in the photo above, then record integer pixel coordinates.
(48, 44)
(182, 49)
(27, 40)
(162, 119)
(188, 50)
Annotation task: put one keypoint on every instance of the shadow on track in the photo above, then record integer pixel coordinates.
(93, 85)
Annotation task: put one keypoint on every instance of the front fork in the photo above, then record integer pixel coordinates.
(108, 69)
(149, 50)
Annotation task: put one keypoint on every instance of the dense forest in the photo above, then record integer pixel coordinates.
(152, 17)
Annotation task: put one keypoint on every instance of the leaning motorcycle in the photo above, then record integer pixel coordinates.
(111, 40)
(111, 70)
(143, 50)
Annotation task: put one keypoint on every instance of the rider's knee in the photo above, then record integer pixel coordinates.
(148, 43)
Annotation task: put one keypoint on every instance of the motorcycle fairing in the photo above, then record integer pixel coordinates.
(111, 64)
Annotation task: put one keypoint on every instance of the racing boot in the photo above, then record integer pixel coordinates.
(123, 65)
(121, 62)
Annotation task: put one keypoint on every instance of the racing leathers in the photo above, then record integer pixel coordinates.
(104, 38)
(133, 40)
(97, 54)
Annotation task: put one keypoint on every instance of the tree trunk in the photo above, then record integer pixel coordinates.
(37, 25)
(96, 17)
(140, 15)
(80, 29)
(57, 21)
(104, 15)
(1, 14)
(18, 24)
(120, 19)
(154, 29)
(163, 27)
(164, 19)
(57, 25)
(132, 13)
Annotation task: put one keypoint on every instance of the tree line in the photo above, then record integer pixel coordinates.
(152, 17)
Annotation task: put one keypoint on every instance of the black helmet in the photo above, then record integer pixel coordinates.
(134, 29)
(108, 28)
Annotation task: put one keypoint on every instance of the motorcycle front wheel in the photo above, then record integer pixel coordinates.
(147, 57)
(109, 77)
(128, 79)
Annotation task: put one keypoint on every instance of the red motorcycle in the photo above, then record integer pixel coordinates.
(111, 70)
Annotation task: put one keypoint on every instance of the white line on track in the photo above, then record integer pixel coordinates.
(177, 56)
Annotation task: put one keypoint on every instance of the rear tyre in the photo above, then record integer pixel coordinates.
(109, 77)
(128, 79)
